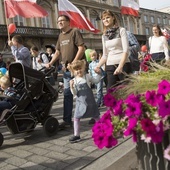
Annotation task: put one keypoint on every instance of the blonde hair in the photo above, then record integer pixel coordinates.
(79, 64)
(5, 81)
(108, 13)
(92, 53)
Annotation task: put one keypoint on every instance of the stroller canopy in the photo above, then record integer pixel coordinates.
(19, 71)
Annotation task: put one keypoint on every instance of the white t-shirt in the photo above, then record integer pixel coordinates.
(159, 44)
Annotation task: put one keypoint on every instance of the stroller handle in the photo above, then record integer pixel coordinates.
(47, 71)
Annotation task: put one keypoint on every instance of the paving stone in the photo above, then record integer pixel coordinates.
(2, 164)
(4, 155)
(53, 164)
(56, 155)
(77, 153)
(89, 148)
(77, 165)
(39, 151)
(21, 153)
(32, 166)
(58, 142)
(43, 144)
(60, 149)
(16, 161)
(10, 167)
(37, 159)
(70, 159)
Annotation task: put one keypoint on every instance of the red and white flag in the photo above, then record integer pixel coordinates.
(24, 8)
(129, 7)
(77, 19)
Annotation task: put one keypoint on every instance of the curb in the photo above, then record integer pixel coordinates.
(108, 159)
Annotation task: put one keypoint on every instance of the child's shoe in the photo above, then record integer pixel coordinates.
(74, 139)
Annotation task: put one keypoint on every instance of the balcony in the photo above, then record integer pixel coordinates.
(32, 31)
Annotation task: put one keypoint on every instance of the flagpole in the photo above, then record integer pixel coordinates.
(6, 21)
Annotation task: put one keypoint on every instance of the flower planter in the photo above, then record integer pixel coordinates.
(150, 155)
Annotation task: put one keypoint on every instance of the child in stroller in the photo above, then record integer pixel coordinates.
(11, 96)
(35, 102)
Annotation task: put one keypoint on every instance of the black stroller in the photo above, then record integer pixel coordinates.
(35, 103)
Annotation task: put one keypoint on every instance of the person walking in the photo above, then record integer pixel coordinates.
(50, 50)
(86, 105)
(19, 51)
(39, 59)
(134, 48)
(158, 45)
(115, 50)
(70, 46)
(99, 85)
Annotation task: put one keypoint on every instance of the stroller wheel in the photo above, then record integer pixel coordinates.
(1, 139)
(50, 126)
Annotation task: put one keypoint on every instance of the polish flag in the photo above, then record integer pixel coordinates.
(24, 8)
(77, 19)
(129, 7)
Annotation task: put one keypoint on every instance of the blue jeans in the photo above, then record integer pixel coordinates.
(99, 92)
(68, 98)
(5, 105)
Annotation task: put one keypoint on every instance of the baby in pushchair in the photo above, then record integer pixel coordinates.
(33, 105)
(10, 97)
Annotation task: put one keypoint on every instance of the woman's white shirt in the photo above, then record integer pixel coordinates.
(159, 44)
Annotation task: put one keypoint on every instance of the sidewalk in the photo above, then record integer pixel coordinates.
(36, 151)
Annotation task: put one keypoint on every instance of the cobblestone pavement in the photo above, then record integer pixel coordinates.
(36, 151)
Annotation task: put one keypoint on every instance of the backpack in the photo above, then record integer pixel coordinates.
(49, 58)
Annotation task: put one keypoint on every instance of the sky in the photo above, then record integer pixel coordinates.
(154, 4)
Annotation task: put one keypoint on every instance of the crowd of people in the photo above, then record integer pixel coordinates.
(119, 58)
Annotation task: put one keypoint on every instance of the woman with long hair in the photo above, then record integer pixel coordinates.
(158, 45)
(115, 50)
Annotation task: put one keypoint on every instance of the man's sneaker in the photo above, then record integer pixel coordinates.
(64, 125)
(74, 139)
(92, 121)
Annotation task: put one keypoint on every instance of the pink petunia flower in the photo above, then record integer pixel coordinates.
(151, 97)
(164, 108)
(118, 110)
(164, 87)
(133, 109)
(109, 100)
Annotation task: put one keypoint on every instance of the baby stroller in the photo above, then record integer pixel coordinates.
(35, 103)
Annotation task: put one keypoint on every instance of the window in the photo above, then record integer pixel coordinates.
(45, 22)
(145, 18)
(159, 21)
(147, 31)
(152, 19)
(164, 21)
(18, 20)
(94, 22)
(116, 3)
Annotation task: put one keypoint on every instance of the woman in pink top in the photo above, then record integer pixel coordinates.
(115, 50)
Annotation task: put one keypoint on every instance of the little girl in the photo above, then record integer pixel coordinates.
(85, 102)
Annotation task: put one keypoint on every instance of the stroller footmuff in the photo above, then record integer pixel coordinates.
(34, 105)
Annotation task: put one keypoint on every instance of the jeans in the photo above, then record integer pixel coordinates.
(99, 92)
(68, 98)
(5, 105)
